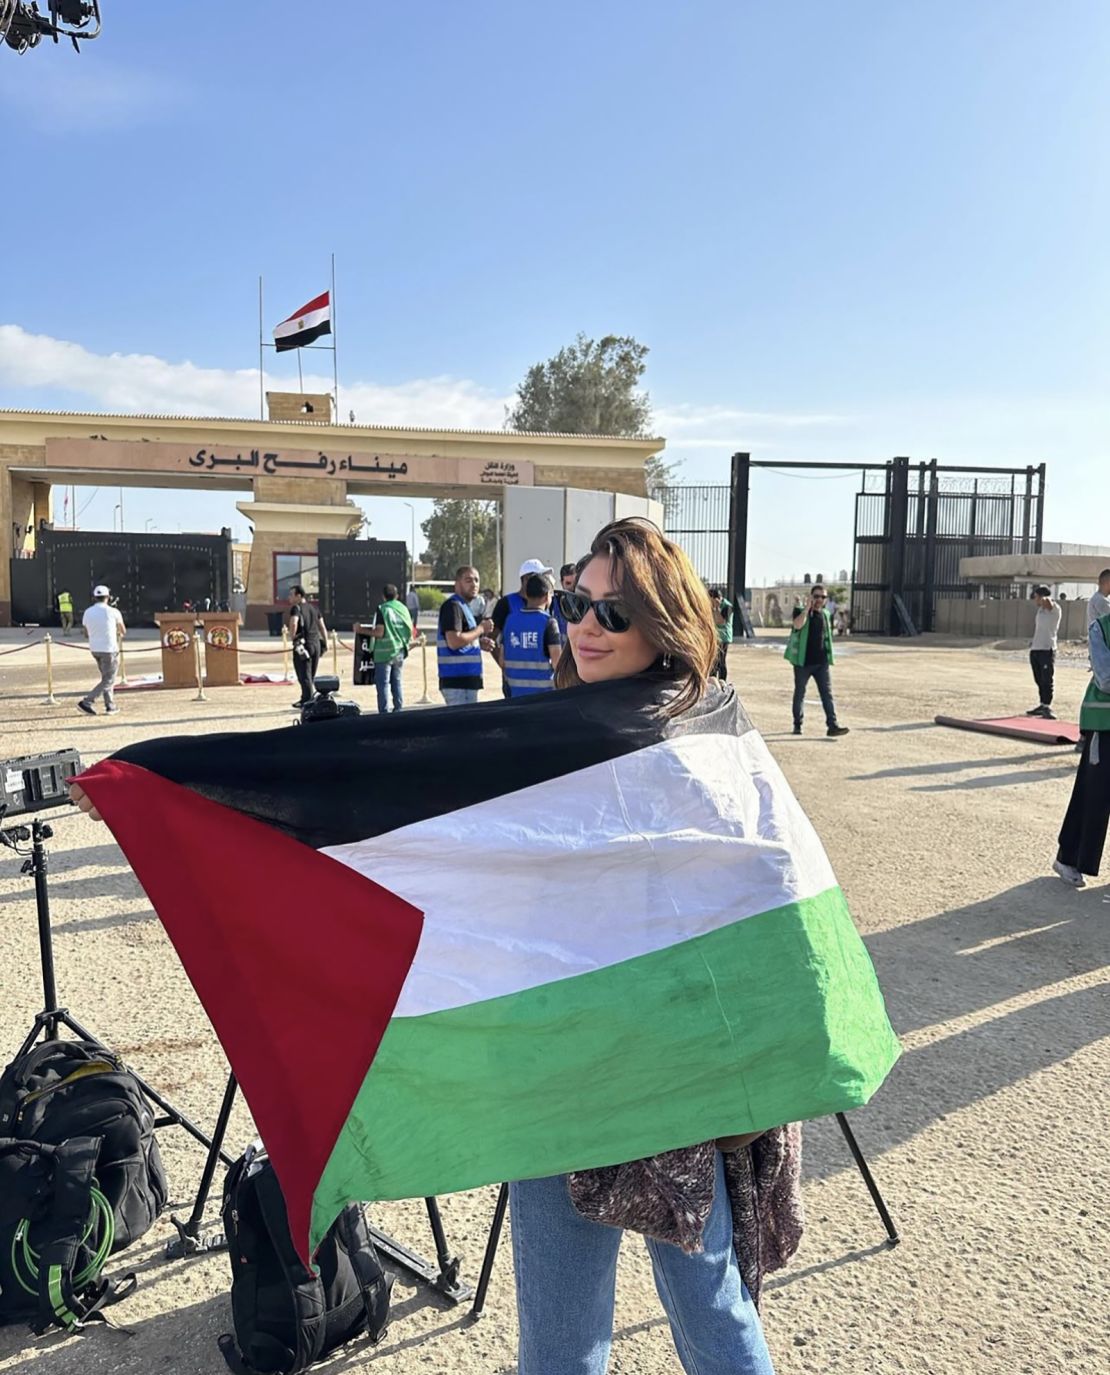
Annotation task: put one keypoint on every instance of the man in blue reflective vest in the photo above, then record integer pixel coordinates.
(514, 601)
(459, 642)
(530, 644)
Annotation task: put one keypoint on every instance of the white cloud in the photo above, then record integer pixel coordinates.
(716, 427)
(143, 382)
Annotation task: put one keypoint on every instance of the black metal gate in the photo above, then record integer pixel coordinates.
(697, 519)
(352, 575)
(146, 573)
(915, 522)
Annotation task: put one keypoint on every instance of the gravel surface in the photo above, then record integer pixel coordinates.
(989, 1139)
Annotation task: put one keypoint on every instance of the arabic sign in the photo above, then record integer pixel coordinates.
(362, 471)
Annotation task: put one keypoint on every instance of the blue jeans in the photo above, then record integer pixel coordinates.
(566, 1270)
(459, 697)
(820, 675)
(389, 673)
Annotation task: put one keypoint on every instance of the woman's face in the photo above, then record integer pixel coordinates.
(598, 653)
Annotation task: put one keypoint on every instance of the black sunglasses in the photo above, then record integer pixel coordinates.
(611, 614)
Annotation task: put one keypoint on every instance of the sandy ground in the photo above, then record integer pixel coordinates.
(989, 1140)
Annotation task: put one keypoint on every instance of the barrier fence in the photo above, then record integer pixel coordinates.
(50, 644)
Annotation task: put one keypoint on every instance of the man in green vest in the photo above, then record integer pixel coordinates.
(65, 610)
(1083, 834)
(810, 650)
(392, 633)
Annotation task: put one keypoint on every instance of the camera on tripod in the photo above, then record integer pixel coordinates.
(23, 27)
(325, 707)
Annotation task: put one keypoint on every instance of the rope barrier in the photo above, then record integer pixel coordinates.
(18, 649)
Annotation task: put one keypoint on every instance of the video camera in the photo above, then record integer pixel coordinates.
(23, 27)
(325, 707)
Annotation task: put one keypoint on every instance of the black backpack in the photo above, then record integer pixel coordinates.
(56, 1232)
(285, 1316)
(63, 1089)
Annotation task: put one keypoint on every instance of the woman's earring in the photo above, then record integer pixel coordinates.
(666, 661)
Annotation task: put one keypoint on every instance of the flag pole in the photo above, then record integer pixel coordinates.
(334, 346)
(300, 374)
(261, 382)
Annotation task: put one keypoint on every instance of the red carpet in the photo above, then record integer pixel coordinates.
(1019, 728)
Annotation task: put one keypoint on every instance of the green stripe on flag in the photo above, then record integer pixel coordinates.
(775, 1018)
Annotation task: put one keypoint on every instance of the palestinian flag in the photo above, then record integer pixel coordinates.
(304, 326)
(447, 948)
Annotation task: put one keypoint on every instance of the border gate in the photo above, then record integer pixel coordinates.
(914, 522)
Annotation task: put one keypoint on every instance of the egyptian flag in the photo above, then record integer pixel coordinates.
(448, 948)
(304, 326)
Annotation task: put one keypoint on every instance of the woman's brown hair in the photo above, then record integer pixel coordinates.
(667, 601)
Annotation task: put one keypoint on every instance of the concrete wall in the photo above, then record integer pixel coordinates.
(587, 512)
(558, 524)
(1004, 620)
(533, 527)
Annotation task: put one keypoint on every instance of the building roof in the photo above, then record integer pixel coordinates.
(640, 439)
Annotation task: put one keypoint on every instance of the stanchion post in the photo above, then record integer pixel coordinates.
(200, 697)
(335, 652)
(425, 701)
(122, 665)
(48, 641)
(285, 652)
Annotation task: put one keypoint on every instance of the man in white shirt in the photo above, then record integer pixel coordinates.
(104, 629)
(1042, 652)
(1099, 603)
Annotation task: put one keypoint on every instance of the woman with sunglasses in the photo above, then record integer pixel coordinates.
(638, 608)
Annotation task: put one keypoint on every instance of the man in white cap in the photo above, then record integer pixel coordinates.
(515, 601)
(104, 629)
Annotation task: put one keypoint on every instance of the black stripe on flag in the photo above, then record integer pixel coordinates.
(336, 782)
(302, 338)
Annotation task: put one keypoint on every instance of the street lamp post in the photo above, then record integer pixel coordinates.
(412, 546)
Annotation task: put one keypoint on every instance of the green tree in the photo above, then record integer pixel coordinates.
(452, 529)
(589, 387)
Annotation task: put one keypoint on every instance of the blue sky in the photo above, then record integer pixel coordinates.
(845, 231)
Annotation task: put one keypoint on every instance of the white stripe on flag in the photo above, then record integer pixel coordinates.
(604, 864)
(297, 324)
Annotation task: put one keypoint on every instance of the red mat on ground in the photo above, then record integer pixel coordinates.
(1019, 728)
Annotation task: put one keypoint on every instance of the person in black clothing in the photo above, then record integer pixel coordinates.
(810, 651)
(309, 635)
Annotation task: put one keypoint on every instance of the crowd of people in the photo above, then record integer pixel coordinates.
(525, 633)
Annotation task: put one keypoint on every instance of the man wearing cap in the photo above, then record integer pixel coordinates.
(104, 629)
(1042, 651)
(568, 576)
(515, 601)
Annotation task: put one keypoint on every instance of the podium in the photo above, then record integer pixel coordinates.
(220, 630)
(176, 630)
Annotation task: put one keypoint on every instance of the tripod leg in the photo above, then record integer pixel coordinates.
(479, 1304)
(448, 1264)
(868, 1179)
(46, 944)
(187, 1232)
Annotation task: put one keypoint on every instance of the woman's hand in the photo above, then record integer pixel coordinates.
(81, 799)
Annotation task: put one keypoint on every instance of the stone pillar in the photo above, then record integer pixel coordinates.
(295, 405)
(290, 516)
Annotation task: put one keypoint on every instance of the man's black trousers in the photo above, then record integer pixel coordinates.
(306, 671)
(1043, 664)
(820, 675)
